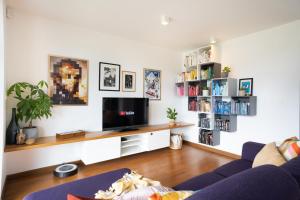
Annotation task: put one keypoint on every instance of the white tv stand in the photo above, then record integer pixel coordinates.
(120, 146)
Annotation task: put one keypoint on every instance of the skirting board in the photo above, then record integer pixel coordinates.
(213, 150)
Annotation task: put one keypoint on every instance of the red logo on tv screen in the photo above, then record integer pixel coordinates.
(126, 113)
(122, 113)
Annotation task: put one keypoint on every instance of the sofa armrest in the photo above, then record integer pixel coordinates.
(250, 149)
(260, 183)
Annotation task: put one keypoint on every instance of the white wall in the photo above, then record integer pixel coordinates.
(2, 101)
(272, 58)
(29, 41)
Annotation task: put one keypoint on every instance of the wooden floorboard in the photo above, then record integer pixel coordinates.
(171, 167)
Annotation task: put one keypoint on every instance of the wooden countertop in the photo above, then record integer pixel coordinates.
(52, 140)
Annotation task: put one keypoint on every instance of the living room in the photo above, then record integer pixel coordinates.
(191, 49)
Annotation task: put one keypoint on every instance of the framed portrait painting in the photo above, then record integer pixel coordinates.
(152, 84)
(109, 77)
(128, 81)
(247, 85)
(68, 80)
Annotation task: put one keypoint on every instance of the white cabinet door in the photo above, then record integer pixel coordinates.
(100, 150)
(158, 139)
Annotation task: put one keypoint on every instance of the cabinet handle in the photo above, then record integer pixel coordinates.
(151, 133)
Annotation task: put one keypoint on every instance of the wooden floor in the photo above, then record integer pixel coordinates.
(168, 166)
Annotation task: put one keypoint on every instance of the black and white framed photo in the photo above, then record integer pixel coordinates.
(152, 84)
(109, 77)
(128, 81)
(246, 84)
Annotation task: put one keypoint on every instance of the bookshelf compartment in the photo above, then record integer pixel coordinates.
(210, 70)
(245, 105)
(205, 104)
(206, 121)
(192, 104)
(222, 105)
(224, 87)
(209, 137)
(227, 123)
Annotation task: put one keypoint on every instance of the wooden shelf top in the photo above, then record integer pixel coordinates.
(52, 140)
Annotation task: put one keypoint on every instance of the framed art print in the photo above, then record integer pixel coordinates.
(128, 81)
(68, 81)
(152, 84)
(247, 85)
(109, 77)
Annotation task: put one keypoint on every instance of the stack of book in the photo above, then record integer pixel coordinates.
(222, 124)
(204, 106)
(222, 107)
(192, 105)
(204, 123)
(206, 137)
(240, 108)
(193, 90)
(180, 90)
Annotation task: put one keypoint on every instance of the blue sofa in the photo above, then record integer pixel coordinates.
(233, 181)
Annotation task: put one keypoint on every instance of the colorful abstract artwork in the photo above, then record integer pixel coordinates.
(247, 85)
(152, 84)
(68, 81)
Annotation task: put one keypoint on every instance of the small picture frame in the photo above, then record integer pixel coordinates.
(247, 85)
(128, 81)
(109, 76)
(152, 84)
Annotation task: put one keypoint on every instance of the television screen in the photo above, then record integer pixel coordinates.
(124, 113)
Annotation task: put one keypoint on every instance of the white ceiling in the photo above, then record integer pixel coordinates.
(194, 21)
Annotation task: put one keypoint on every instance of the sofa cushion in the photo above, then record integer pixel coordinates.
(292, 150)
(199, 182)
(233, 167)
(293, 167)
(266, 182)
(86, 187)
(269, 155)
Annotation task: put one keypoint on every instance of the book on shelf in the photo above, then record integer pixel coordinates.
(204, 106)
(220, 88)
(204, 123)
(191, 75)
(206, 137)
(193, 90)
(222, 124)
(222, 107)
(192, 105)
(180, 90)
(241, 108)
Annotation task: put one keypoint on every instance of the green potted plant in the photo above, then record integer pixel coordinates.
(33, 103)
(171, 115)
(225, 72)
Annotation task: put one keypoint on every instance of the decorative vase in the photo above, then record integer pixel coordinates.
(205, 93)
(172, 122)
(31, 132)
(12, 129)
(224, 74)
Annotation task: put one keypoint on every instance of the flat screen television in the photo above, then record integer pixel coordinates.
(124, 113)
